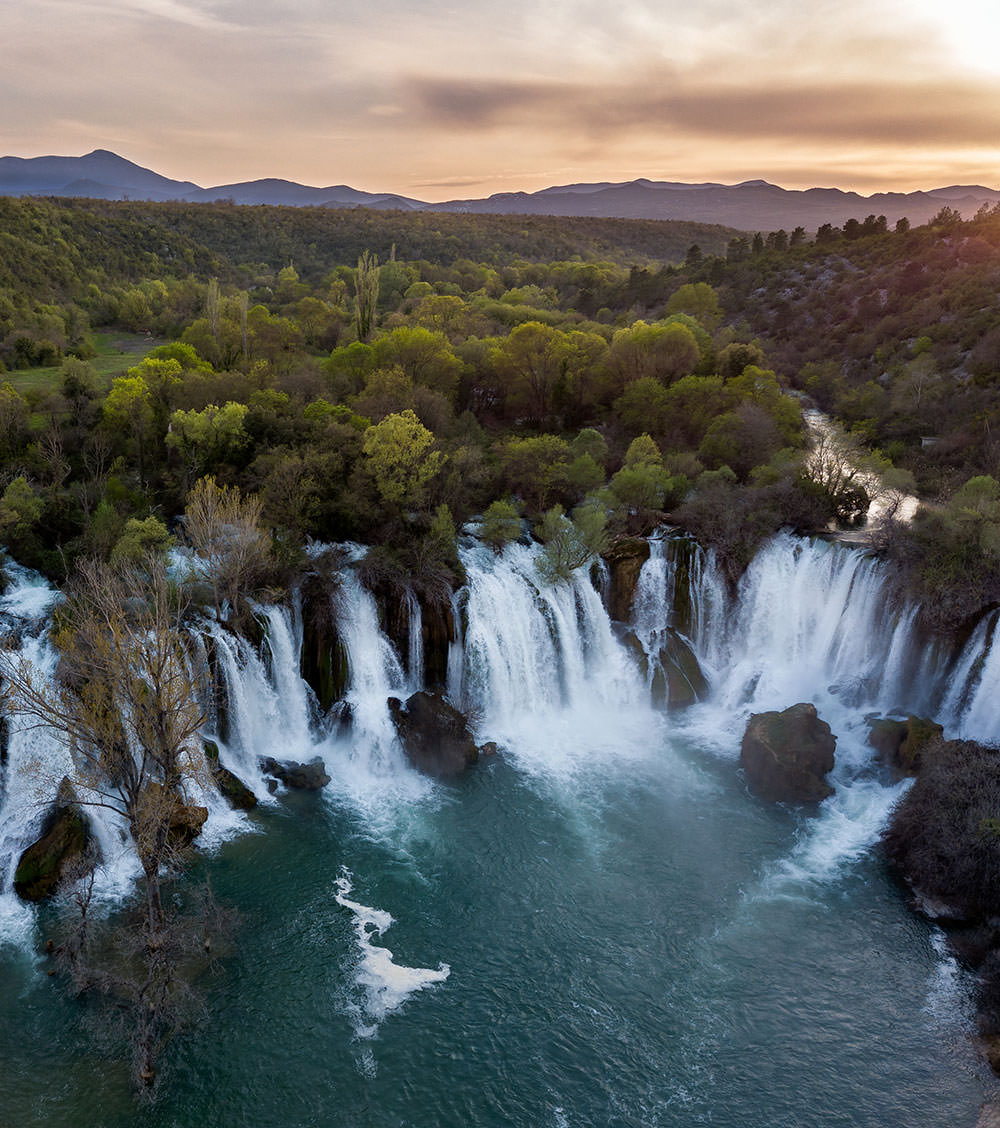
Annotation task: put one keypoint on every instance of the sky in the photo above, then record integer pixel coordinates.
(439, 99)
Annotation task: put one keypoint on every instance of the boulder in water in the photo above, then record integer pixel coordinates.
(63, 841)
(787, 755)
(185, 819)
(231, 787)
(302, 777)
(901, 744)
(434, 734)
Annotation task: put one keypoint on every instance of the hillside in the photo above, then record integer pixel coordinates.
(754, 205)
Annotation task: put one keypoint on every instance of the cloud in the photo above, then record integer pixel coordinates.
(175, 11)
(963, 112)
(409, 94)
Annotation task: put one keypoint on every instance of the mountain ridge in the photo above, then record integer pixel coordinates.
(751, 205)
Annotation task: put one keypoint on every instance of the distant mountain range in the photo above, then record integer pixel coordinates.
(753, 205)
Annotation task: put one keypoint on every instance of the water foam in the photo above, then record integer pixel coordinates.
(381, 985)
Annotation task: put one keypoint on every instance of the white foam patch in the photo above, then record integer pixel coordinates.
(950, 991)
(17, 921)
(848, 825)
(382, 984)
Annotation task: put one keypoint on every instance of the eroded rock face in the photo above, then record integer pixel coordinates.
(323, 661)
(303, 777)
(434, 734)
(677, 680)
(64, 838)
(625, 559)
(787, 755)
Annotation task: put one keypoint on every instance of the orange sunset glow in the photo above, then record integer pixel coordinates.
(446, 100)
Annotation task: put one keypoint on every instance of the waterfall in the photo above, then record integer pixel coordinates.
(809, 619)
(37, 760)
(973, 706)
(814, 621)
(541, 671)
(415, 657)
(266, 711)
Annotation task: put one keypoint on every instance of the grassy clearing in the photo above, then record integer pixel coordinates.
(115, 353)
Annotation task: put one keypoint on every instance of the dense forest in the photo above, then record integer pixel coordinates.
(385, 377)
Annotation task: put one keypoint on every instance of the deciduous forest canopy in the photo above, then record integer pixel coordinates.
(385, 376)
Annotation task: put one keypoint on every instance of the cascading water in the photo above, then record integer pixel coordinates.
(258, 720)
(814, 621)
(370, 762)
(631, 940)
(37, 760)
(541, 669)
(415, 656)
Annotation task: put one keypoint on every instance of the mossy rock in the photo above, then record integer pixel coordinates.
(233, 789)
(786, 756)
(437, 626)
(920, 731)
(65, 834)
(677, 680)
(901, 745)
(323, 663)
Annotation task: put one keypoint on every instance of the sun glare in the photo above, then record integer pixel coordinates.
(971, 28)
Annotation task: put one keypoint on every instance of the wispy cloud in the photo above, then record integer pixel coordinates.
(412, 94)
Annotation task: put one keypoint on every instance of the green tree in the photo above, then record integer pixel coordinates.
(207, 437)
(568, 543)
(699, 300)
(500, 525)
(366, 284)
(535, 356)
(401, 458)
(141, 540)
(128, 409)
(535, 468)
(426, 357)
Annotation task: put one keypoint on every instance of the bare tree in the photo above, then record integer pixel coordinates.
(223, 526)
(125, 703)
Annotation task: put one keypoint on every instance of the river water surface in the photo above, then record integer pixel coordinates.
(597, 926)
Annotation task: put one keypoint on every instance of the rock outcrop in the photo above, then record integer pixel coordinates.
(231, 787)
(676, 679)
(434, 734)
(625, 559)
(323, 662)
(302, 777)
(901, 744)
(62, 843)
(943, 838)
(787, 755)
